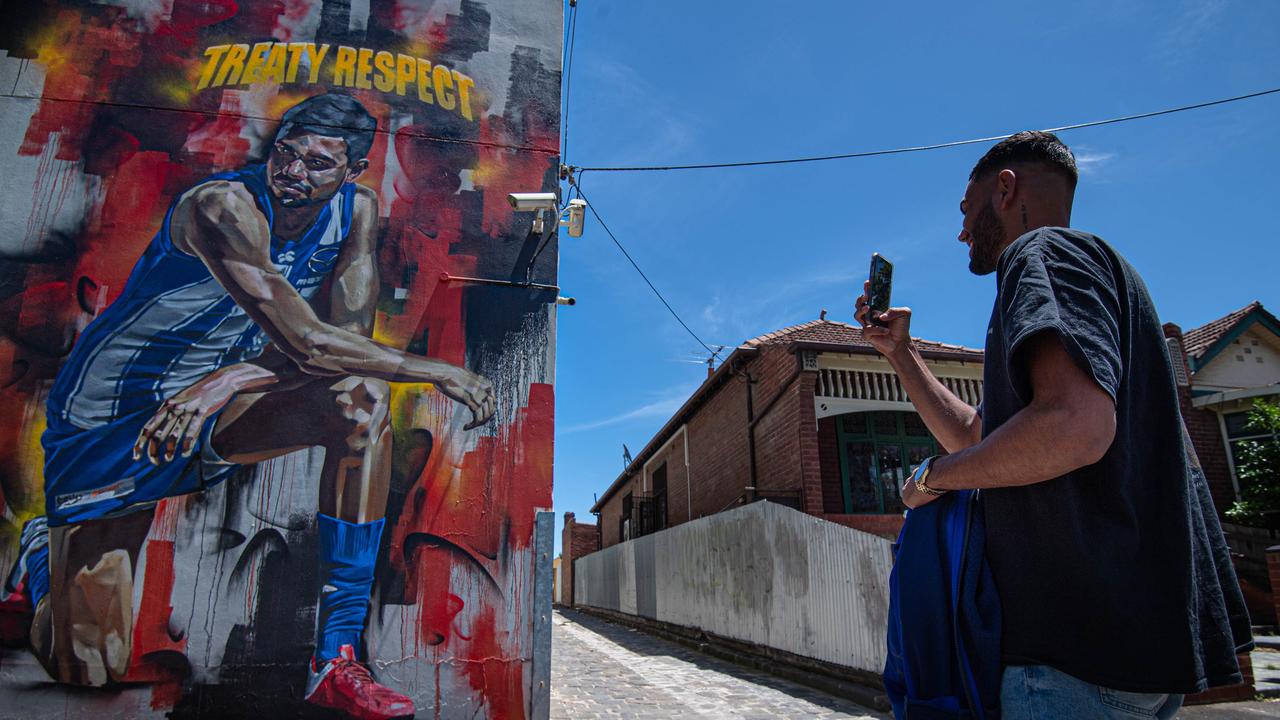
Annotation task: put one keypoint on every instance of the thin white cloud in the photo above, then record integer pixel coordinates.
(663, 407)
(712, 316)
(1196, 20)
(1090, 163)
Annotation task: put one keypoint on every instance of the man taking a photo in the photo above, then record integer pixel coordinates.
(1117, 590)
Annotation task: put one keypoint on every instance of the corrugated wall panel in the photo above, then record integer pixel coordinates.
(762, 573)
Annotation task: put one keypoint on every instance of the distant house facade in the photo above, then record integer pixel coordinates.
(810, 416)
(1228, 364)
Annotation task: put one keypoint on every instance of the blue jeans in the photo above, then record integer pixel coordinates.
(1038, 692)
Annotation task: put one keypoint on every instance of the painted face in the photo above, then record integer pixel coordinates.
(981, 229)
(306, 168)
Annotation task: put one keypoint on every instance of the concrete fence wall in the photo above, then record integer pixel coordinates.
(762, 573)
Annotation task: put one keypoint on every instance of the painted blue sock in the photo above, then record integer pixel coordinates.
(348, 553)
(38, 575)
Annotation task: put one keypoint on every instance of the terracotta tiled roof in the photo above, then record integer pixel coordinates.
(1198, 340)
(838, 333)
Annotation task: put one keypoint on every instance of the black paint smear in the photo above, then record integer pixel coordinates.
(264, 668)
(530, 93)
(21, 22)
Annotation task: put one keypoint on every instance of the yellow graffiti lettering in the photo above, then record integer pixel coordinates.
(344, 66)
(279, 63)
(232, 66)
(214, 54)
(385, 63)
(317, 57)
(273, 69)
(444, 87)
(364, 67)
(424, 82)
(253, 68)
(465, 84)
(404, 72)
(296, 51)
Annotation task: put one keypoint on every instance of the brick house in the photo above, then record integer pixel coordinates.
(1230, 362)
(1227, 364)
(810, 416)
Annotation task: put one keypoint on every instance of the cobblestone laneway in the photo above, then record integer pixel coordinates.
(602, 670)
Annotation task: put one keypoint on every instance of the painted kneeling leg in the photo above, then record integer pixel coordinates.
(88, 612)
(338, 680)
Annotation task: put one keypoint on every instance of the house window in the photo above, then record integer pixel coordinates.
(877, 452)
(1238, 432)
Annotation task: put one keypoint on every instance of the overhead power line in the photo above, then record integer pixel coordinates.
(674, 314)
(571, 32)
(922, 148)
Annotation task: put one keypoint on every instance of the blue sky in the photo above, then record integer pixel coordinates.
(1191, 199)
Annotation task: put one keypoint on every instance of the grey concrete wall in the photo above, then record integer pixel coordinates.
(762, 573)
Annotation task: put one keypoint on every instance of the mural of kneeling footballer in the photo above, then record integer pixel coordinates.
(253, 306)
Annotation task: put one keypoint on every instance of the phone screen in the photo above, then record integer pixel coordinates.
(881, 283)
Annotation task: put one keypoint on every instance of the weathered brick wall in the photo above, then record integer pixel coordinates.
(679, 480)
(718, 459)
(576, 539)
(780, 460)
(829, 459)
(1206, 436)
(611, 512)
(887, 526)
(810, 451)
(585, 540)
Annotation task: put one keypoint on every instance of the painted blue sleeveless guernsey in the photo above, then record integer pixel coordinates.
(172, 325)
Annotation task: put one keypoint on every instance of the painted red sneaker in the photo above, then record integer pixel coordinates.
(343, 684)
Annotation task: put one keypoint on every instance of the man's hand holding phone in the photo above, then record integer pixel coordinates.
(893, 333)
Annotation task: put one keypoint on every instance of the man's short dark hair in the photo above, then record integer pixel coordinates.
(333, 115)
(1029, 146)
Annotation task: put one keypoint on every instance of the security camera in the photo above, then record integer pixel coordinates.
(526, 202)
(577, 213)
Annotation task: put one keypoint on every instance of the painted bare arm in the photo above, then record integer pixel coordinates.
(219, 223)
(173, 429)
(952, 421)
(353, 288)
(226, 231)
(349, 302)
(1069, 423)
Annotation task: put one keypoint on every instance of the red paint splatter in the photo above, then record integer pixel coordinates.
(99, 61)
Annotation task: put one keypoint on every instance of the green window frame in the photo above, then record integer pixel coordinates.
(878, 450)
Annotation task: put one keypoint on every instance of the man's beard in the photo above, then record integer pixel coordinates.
(987, 235)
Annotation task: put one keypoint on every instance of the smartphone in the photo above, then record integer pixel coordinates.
(881, 282)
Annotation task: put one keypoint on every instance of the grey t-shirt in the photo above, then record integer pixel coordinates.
(1116, 573)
